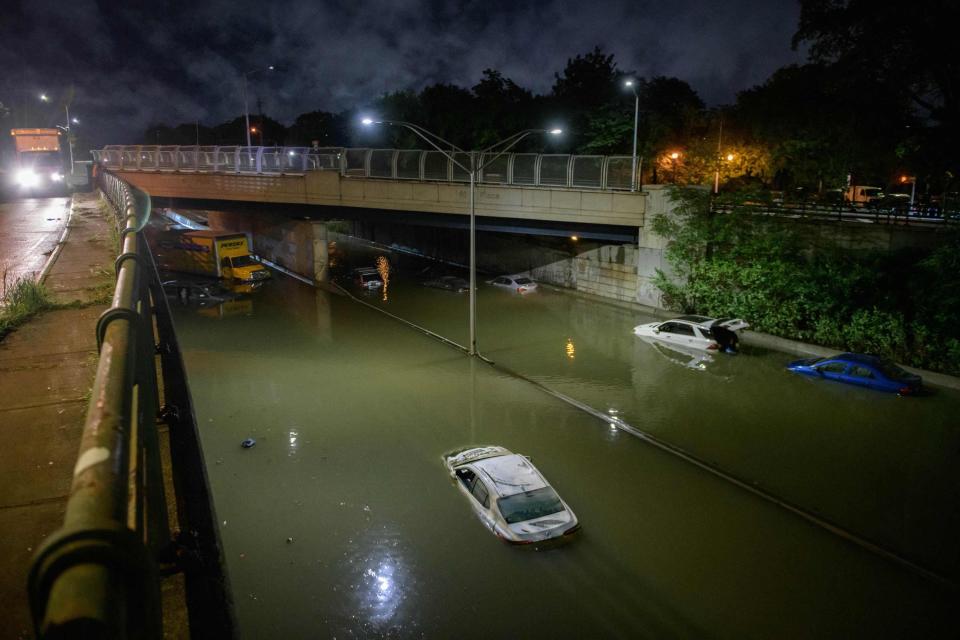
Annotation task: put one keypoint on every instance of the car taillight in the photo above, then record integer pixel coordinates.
(905, 391)
(713, 346)
(521, 290)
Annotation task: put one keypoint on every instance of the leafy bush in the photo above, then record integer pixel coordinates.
(729, 261)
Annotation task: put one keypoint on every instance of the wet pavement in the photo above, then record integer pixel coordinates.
(29, 231)
(46, 369)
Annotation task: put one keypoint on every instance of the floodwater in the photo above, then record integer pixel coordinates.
(341, 521)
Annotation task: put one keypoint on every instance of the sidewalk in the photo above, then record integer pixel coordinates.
(46, 370)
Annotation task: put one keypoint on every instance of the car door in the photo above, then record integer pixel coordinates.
(479, 495)
(680, 333)
(862, 375)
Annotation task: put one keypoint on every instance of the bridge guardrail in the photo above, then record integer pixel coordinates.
(98, 576)
(918, 215)
(523, 169)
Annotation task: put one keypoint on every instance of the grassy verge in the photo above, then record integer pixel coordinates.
(20, 302)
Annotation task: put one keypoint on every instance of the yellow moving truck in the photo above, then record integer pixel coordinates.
(208, 253)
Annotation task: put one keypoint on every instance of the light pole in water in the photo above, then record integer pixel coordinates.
(473, 171)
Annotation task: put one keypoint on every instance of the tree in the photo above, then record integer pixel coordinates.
(821, 124)
(502, 108)
(589, 84)
(909, 52)
(328, 129)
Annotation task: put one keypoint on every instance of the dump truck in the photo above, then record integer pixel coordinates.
(211, 253)
(38, 164)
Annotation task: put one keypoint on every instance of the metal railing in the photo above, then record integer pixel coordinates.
(99, 575)
(522, 169)
(923, 215)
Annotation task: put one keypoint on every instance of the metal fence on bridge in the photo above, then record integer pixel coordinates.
(99, 575)
(523, 169)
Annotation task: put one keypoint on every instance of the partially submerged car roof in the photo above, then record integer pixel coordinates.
(511, 474)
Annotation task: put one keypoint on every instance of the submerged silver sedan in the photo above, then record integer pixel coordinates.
(509, 495)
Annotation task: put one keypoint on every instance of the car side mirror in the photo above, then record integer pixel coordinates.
(656, 331)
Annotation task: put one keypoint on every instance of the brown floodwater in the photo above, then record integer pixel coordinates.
(341, 521)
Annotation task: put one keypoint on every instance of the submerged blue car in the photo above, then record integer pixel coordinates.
(863, 370)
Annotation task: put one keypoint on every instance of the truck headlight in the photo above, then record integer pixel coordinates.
(56, 176)
(27, 178)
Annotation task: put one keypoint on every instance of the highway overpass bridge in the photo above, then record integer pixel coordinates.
(550, 194)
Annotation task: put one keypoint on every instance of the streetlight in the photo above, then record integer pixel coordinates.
(674, 156)
(636, 115)
(499, 148)
(246, 104)
(66, 129)
(913, 186)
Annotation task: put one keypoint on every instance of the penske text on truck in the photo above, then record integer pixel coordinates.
(209, 253)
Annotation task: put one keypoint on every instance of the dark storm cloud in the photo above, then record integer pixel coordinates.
(137, 63)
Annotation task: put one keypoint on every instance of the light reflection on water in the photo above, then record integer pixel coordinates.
(352, 412)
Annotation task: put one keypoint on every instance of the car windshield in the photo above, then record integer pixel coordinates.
(528, 505)
(523, 281)
(242, 261)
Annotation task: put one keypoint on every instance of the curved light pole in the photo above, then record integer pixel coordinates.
(636, 117)
(246, 104)
(473, 170)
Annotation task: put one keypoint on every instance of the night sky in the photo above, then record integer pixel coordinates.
(138, 63)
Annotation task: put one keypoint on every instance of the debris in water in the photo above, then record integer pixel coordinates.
(289, 540)
(249, 442)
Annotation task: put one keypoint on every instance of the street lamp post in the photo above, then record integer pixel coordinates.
(716, 177)
(913, 186)
(246, 103)
(499, 148)
(636, 117)
(66, 128)
(673, 165)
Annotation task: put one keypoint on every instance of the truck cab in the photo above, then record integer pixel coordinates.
(39, 161)
(242, 267)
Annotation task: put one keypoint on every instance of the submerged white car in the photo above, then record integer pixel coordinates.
(696, 332)
(518, 283)
(509, 495)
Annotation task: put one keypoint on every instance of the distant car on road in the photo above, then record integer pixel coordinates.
(509, 495)
(196, 292)
(518, 283)
(368, 278)
(696, 332)
(862, 370)
(449, 283)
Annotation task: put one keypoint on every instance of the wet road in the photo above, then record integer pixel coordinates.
(29, 230)
(340, 522)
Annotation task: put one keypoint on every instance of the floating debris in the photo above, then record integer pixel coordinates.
(249, 442)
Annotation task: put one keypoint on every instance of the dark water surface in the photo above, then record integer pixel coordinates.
(341, 522)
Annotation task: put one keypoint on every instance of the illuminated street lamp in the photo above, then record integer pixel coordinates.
(632, 85)
(473, 170)
(913, 186)
(246, 104)
(674, 156)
